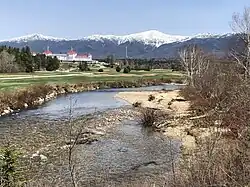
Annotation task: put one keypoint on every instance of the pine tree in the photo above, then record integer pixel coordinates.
(83, 66)
(52, 64)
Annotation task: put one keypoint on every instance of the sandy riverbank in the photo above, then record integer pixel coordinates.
(164, 100)
(180, 126)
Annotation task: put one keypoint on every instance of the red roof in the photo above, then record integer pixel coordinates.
(47, 52)
(71, 52)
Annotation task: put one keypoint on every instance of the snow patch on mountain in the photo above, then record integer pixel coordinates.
(33, 37)
(210, 35)
(152, 37)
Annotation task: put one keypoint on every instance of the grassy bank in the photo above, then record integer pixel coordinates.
(9, 82)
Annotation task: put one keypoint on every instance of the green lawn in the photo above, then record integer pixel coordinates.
(10, 82)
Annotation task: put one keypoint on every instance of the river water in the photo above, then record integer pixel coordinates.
(130, 152)
(82, 103)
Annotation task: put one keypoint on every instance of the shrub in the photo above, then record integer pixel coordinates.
(129, 69)
(151, 97)
(147, 69)
(100, 70)
(118, 69)
(126, 70)
(148, 117)
(215, 162)
(9, 174)
(137, 104)
(83, 66)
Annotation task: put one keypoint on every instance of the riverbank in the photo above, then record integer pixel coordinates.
(39, 94)
(180, 123)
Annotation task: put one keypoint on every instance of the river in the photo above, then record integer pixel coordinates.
(82, 103)
(126, 153)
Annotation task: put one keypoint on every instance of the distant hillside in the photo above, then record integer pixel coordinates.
(149, 44)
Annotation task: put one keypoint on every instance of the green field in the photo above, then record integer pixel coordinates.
(9, 82)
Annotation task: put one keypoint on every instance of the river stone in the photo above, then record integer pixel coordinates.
(51, 95)
(62, 91)
(43, 158)
(26, 105)
(39, 101)
(97, 132)
(10, 110)
(6, 111)
(123, 149)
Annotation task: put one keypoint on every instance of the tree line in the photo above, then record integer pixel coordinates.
(144, 64)
(21, 60)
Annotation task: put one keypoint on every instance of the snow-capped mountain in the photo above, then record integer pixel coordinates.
(139, 45)
(152, 37)
(33, 37)
(210, 35)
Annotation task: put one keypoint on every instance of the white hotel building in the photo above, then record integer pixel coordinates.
(71, 56)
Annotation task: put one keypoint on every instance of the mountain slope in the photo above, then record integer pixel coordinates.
(33, 37)
(139, 45)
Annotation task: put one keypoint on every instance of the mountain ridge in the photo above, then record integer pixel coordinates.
(148, 44)
(150, 37)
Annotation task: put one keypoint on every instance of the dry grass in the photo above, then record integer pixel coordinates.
(223, 98)
(16, 100)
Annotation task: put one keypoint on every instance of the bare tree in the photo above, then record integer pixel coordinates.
(194, 62)
(7, 63)
(241, 26)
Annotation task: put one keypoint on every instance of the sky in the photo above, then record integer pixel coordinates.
(79, 18)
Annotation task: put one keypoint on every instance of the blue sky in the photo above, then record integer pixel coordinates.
(78, 18)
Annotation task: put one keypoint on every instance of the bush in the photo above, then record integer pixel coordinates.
(83, 66)
(222, 97)
(118, 69)
(129, 69)
(147, 69)
(214, 163)
(9, 174)
(148, 117)
(151, 97)
(100, 70)
(137, 104)
(126, 70)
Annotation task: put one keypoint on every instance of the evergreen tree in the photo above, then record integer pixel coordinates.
(118, 69)
(111, 60)
(37, 62)
(52, 64)
(126, 70)
(83, 66)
